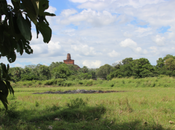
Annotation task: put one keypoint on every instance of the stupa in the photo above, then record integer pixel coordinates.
(69, 60)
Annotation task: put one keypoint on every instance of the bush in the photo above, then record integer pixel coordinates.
(50, 82)
(76, 103)
(54, 82)
(89, 83)
(67, 83)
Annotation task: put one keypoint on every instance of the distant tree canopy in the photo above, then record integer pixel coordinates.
(62, 71)
(104, 70)
(137, 68)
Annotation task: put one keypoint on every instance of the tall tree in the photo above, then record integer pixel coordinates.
(84, 69)
(142, 68)
(170, 63)
(44, 72)
(104, 70)
(15, 34)
(62, 71)
(127, 60)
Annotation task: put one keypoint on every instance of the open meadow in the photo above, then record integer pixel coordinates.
(140, 104)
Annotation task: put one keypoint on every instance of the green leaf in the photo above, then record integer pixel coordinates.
(43, 5)
(36, 5)
(11, 57)
(4, 9)
(30, 7)
(16, 4)
(20, 47)
(3, 88)
(49, 14)
(24, 26)
(45, 31)
(4, 101)
(28, 49)
(16, 0)
(9, 87)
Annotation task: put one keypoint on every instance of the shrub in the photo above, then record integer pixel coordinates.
(89, 83)
(36, 104)
(112, 85)
(76, 103)
(80, 82)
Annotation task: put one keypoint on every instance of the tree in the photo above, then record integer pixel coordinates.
(104, 70)
(167, 57)
(166, 65)
(73, 69)
(170, 63)
(142, 68)
(54, 64)
(84, 69)
(62, 71)
(124, 70)
(93, 73)
(44, 72)
(117, 65)
(15, 73)
(127, 60)
(160, 63)
(15, 34)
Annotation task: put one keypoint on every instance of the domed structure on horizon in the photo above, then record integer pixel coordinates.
(69, 61)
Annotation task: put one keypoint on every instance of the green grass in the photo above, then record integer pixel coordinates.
(161, 81)
(143, 106)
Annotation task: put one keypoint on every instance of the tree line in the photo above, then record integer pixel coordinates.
(128, 67)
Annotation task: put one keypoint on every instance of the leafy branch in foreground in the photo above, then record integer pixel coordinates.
(5, 86)
(15, 33)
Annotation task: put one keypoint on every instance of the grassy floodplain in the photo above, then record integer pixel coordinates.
(145, 104)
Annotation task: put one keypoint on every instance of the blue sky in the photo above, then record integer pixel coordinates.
(98, 32)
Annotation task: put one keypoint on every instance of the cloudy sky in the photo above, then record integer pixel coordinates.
(98, 32)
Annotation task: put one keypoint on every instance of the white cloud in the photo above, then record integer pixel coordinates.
(68, 12)
(89, 17)
(51, 9)
(39, 48)
(128, 43)
(54, 48)
(78, 1)
(141, 32)
(107, 4)
(92, 5)
(92, 64)
(19, 65)
(133, 45)
(113, 54)
(153, 49)
(159, 40)
(84, 50)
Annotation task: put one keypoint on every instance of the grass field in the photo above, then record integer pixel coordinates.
(140, 107)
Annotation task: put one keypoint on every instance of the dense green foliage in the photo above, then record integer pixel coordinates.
(160, 81)
(15, 35)
(140, 68)
(137, 68)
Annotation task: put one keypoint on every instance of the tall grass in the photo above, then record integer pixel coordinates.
(137, 108)
(161, 81)
(146, 104)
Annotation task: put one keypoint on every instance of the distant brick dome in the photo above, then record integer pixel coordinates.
(68, 56)
(69, 61)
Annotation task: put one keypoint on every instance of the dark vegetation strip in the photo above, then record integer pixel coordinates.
(78, 91)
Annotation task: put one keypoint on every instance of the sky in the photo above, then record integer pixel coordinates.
(98, 32)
